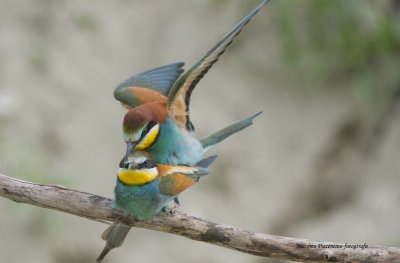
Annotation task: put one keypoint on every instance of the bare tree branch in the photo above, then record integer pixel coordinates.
(98, 208)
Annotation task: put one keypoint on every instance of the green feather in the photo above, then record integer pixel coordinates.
(222, 134)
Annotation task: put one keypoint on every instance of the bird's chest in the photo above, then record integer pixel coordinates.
(142, 202)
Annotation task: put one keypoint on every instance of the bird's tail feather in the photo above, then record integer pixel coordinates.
(114, 236)
(103, 254)
(222, 134)
(206, 162)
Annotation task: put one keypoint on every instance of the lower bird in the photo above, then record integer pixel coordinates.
(145, 189)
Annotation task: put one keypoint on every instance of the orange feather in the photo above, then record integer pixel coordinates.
(148, 96)
(179, 181)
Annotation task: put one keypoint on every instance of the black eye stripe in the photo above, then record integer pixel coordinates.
(150, 125)
(122, 163)
(149, 164)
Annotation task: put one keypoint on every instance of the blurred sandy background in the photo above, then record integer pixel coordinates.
(321, 162)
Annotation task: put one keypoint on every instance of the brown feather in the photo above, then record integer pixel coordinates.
(148, 96)
(178, 110)
(143, 114)
(144, 96)
(181, 182)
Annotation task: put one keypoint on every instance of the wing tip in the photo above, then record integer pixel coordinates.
(251, 118)
(255, 115)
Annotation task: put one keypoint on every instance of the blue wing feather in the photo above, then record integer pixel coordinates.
(159, 79)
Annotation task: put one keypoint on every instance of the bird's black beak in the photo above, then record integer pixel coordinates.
(133, 165)
(129, 149)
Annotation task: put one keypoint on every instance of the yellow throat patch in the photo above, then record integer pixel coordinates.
(149, 138)
(137, 177)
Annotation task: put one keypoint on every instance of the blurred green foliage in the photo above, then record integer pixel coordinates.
(355, 41)
(85, 22)
(38, 59)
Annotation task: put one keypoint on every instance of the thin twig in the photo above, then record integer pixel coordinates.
(98, 208)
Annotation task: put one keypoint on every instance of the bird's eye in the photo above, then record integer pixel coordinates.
(148, 127)
(146, 162)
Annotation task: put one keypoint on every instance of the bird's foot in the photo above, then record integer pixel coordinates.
(168, 210)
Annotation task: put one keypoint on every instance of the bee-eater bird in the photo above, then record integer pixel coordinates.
(145, 188)
(158, 120)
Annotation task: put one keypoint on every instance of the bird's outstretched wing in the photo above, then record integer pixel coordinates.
(150, 86)
(179, 95)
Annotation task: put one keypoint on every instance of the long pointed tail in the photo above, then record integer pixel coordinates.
(222, 134)
(114, 236)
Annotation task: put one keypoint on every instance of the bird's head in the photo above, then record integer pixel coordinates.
(141, 125)
(138, 169)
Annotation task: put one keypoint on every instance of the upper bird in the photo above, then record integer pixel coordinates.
(158, 100)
